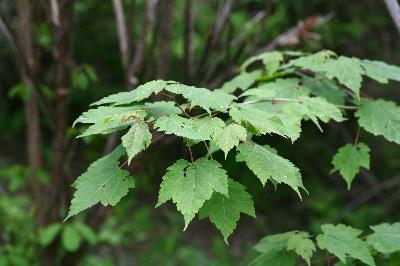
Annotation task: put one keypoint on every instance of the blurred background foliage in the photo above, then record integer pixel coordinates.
(133, 232)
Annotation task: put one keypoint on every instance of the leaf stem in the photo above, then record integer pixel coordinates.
(357, 136)
(191, 154)
(208, 150)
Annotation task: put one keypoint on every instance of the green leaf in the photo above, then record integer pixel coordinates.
(316, 108)
(273, 249)
(267, 165)
(140, 93)
(103, 113)
(225, 211)
(349, 159)
(70, 239)
(48, 234)
(301, 244)
(206, 99)
(348, 71)
(195, 129)
(180, 126)
(280, 88)
(342, 241)
(136, 139)
(160, 108)
(282, 258)
(259, 121)
(103, 182)
(189, 185)
(273, 243)
(230, 137)
(86, 232)
(380, 117)
(386, 237)
(381, 71)
(326, 89)
(271, 60)
(241, 81)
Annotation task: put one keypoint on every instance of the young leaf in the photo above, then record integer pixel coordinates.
(300, 243)
(386, 237)
(282, 258)
(136, 139)
(230, 137)
(342, 241)
(381, 71)
(140, 93)
(48, 234)
(242, 81)
(202, 97)
(380, 117)
(271, 60)
(225, 211)
(189, 185)
(267, 165)
(274, 250)
(70, 238)
(103, 182)
(349, 159)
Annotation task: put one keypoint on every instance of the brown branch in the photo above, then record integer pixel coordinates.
(295, 34)
(137, 61)
(122, 32)
(165, 40)
(8, 36)
(394, 10)
(33, 133)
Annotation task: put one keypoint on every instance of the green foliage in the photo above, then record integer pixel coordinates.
(380, 118)
(137, 139)
(349, 159)
(189, 185)
(276, 97)
(386, 237)
(103, 182)
(342, 241)
(224, 211)
(266, 164)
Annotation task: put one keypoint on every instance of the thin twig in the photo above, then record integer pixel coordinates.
(357, 136)
(122, 32)
(191, 154)
(208, 150)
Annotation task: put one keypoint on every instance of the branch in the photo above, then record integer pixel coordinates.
(394, 10)
(295, 34)
(122, 32)
(135, 66)
(55, 14)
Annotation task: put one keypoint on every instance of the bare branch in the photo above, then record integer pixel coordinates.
(122, 32)
(394, 10)
(295, 34)
(165, 41)
(55, 15)
(136, 64)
